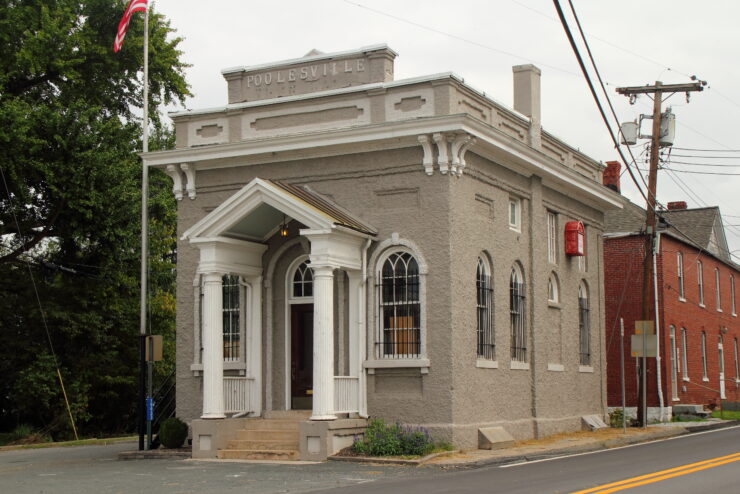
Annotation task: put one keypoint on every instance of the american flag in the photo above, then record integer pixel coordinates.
(133, 6)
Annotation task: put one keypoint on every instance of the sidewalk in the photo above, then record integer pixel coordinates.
(573, 443)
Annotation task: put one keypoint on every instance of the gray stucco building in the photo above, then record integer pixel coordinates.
(358, 246)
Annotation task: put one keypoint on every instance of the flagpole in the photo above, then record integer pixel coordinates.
(144, 243)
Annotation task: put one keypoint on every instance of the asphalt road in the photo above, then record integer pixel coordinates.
(95, 469)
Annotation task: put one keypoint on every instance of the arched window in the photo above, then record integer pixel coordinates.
(583, 324)
(553, 289)
(517, 309)
(230, 309)
(399, 307)
(484, 311)
(303, 281)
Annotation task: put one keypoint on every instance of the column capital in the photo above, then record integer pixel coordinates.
(321, 271)
(213, 277)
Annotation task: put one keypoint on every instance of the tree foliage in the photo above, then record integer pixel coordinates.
(70, 197)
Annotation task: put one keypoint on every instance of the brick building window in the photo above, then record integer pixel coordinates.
(679, 272)
(737, 368)
(685, 360)
(484, 311)
(583, 325)
(716, 286)
(515, 214)
(700, 281)
(732, 295)
(704, 356)
(517, 310)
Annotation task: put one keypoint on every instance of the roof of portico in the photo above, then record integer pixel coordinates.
(258, 209)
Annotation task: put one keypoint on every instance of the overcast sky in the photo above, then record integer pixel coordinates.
(634, 42)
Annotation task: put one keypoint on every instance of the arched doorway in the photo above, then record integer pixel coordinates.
(300, 335)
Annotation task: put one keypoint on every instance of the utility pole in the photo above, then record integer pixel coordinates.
(657, 90)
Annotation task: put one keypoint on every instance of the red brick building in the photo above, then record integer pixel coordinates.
(697, 306)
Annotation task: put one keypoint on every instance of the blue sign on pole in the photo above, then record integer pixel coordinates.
(150, 408)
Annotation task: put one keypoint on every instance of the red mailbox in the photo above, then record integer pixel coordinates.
(575, 239)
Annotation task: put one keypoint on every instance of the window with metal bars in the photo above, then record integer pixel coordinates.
(517, 309)
(399, 331)
(484, 312)
(583, 325)
(230, 311)
(303, 281)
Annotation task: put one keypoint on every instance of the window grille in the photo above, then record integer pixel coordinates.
(399, 308)
(303, 281)
(484, 313)
(230, 311)
(583, 324)
(552, 222)
(517, 309)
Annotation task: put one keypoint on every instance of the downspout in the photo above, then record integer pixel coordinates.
(362, 289)
(657, 325)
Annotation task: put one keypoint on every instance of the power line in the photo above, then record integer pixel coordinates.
(708, 157)
(454, 36)
(595, 96)
(702, 173)
(709, 150)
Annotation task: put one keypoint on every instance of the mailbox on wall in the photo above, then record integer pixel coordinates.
(575, 239)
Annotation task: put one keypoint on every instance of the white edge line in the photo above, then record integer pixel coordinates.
(680, 436)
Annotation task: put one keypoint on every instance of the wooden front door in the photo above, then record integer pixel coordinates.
(301, 352)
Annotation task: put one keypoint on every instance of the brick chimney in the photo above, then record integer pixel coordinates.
(676, 205)
(610, 177)
(527, 99)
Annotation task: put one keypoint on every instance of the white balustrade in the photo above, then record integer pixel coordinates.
(345, 394)
(237, 393)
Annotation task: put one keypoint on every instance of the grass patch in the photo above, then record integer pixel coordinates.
(727, 415)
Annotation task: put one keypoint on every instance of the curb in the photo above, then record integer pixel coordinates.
(390, 461)
(156, 454)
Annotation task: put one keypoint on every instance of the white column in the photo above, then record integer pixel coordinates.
(213, 347)
(355, 364)
(254, 342)
(323, 343)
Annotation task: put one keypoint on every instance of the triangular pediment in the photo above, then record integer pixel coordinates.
(258, 209)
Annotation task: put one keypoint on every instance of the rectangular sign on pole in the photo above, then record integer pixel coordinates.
(150, 409)
(154, 348)
(644, 345)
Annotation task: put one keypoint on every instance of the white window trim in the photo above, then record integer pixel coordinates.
(705, 377)
(486, 364)
(717, 287)
(556, 367)
(483, 257)
(679, 275)
(586, 369)
(377, 258)
(732, 295)
(517, 203)
(700, 281)
(684, 361)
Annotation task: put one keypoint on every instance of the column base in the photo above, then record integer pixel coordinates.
(213, 416)
(323, 417)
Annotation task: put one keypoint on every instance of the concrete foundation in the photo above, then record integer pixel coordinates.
(321, 439)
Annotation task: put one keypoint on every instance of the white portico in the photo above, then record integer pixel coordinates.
(231, 240)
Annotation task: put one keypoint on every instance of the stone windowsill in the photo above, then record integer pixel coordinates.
(586, 368)
(197, 369)
(399, 363)
(486, 364)
(705, 379)
(517, 365)
(553, 305)
(556, 367)
(687, 379)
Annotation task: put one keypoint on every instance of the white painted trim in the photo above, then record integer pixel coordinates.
(586, 369)
(556, 367)
(398, 363)
(517, 365)
(289, 301)
(491, 143)
(486, 364)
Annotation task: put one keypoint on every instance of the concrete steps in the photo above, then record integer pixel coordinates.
(274, 437)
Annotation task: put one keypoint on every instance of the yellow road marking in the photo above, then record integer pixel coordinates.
(661, 475)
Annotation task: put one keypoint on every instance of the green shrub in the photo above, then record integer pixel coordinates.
(173, 432)
(383, 439)
(615, 418)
